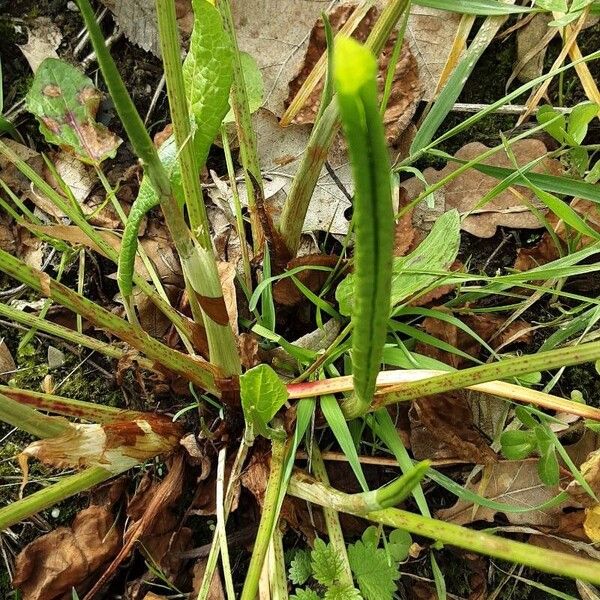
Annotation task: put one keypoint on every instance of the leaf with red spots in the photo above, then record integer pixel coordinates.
(65, 102)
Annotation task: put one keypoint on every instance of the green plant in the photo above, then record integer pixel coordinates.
(375, 567)
(345, 379)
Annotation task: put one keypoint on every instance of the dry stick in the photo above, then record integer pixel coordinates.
(535, 97)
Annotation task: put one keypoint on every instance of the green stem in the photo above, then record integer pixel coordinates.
(239, 219)
(245, 130)
(30, 420)
(199, 263)
(65, 488)
(509, 368)
(267, 521)
(67, 407)
(38, 323)
(332, 519)
(549, 561)
(195, 370)
(305, 180)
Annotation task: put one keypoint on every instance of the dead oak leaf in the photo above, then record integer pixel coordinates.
(442, 428)
(514, 482)
(405, 92)
(65, 558)
(509, 208)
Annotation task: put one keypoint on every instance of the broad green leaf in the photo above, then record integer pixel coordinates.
(355, 73)
(307, 594)
(255, 87)
(556, 122)
(65, 102)
(398, 544)
(342, 591)
(435, 253)
(262, 394)
(208, 74)
(300, 569)
(326, 563)
(376, 577)
(580, 118)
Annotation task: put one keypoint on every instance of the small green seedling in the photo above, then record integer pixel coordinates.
(570, 130)
(373, 560)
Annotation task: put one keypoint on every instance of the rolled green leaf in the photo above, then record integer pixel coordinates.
(355, 83)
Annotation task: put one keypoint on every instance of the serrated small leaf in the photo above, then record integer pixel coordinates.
(342, 592)
(305, 595)
(208, 74)
(437, 252)
(375, 576)
(326, 564)
(300, 568)
(255, 88)
(65, 102)
(262, 394)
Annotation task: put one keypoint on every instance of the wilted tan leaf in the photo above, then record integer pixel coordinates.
(591, 524)
(590, 470)
(43, 40)
(280, 151)
(79, 177)
(513, 482)
(67, 557)
(227, 273)
(508, 208)
(532, 43)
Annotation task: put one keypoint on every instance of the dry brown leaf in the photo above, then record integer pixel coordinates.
(79, 177)
(442, 429)
(465, 191)
(227, 273)
(545, 250)
(43, 40)
(532, 43)
(286, 292)
(15, 180)
(159, 247)
(8, 234)
(430, 33)
(7, 362)
(406, 89)
(514, 482)
(152, 319)
(153, 596)
(67, 557)
(153, 523)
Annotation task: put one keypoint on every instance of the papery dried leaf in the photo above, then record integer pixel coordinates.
(43, 40)
(65, 102)
(508, 208)
(215, 591)
(65, 558)
(227, 274)
(114, 446)
(514, 482)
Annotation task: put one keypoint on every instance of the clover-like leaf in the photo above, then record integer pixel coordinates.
(263, 394)
(65, 102)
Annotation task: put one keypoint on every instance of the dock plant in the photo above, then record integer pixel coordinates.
(343, 385)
